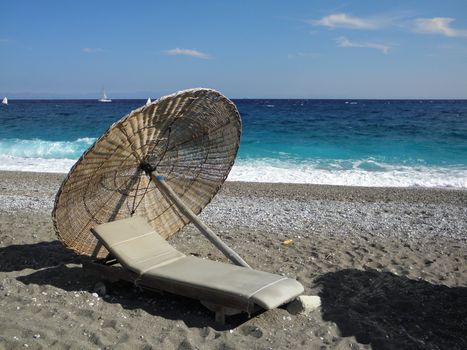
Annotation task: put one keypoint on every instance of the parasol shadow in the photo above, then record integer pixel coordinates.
(394, 312)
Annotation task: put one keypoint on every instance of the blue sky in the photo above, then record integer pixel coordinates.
(245, 49)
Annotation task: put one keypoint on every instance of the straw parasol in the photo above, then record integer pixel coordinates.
(188, 139)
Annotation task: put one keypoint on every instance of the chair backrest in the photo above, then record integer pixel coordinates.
(135, 244)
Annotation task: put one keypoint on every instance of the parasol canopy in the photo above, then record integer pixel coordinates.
(190, 138)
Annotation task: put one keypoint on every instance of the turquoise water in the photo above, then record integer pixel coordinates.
(363, 142)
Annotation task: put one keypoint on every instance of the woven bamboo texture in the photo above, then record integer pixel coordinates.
(191, 138)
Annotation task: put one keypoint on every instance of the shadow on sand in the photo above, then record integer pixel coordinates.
(35, 256)
(394, 312)
(51, 259)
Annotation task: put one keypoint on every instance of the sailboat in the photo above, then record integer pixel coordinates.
(148, 102)
(104, 97)
(5, 101)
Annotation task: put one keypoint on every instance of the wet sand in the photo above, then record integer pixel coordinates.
(388, 263)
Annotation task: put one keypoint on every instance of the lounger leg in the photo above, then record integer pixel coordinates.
(220, 315)
(220, 311)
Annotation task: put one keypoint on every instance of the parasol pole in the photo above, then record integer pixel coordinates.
(205, 230)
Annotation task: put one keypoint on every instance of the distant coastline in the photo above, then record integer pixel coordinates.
(155, 96)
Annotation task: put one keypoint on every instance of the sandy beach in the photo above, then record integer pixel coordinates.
(388, 263)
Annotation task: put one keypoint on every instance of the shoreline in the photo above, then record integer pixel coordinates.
(330, 191)
(388, 263)
(264, 172)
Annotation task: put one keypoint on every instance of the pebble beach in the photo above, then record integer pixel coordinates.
(389, 265)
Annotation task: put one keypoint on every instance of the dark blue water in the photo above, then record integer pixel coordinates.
(408, 132)
(371, 142)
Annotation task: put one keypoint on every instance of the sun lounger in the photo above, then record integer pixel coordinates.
(151, 262)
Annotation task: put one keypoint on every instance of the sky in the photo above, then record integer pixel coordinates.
(245, 49)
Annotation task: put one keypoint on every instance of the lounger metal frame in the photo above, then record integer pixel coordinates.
(110, 270)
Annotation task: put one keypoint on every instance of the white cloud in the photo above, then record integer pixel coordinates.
(344, 42)
(343, 20)
(438, 25)
(187, 52)
(92, 49)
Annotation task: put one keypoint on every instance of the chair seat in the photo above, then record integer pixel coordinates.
(264, 289)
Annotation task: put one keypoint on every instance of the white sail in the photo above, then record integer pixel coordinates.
(148, 102)
(5, 101)
(104, 97)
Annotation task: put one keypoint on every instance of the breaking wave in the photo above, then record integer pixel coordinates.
(36, 148)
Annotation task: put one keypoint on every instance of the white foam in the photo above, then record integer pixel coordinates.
(41, 165)
(285, 172)
(391, 176)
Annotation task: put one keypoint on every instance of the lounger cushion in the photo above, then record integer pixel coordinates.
(139, 248)
(135, 245)
(265, 289)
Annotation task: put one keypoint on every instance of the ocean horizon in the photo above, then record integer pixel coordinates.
(354, 142)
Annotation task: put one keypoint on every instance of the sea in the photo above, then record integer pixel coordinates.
(396, 143)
